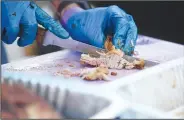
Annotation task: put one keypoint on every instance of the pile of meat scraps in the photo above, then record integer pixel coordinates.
(113, 59)
(98, 73)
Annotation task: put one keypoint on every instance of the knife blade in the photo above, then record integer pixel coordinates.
(51, 39)
(148, 63)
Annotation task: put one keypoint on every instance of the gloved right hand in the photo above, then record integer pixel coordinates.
(94, 25)
(22, 17)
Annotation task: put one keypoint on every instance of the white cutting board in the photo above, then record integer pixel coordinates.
(49, 64)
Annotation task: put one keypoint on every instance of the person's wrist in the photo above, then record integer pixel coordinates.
(69, 11)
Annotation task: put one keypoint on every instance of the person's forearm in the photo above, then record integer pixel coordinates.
(56, 3)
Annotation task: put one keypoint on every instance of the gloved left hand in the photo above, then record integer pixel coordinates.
(93, 25)
(22, 18)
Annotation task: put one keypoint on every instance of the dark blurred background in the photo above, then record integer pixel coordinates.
(159, 19)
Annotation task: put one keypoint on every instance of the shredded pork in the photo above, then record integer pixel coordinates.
(113, 59)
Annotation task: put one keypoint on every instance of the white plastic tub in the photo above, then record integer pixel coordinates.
(160, 88)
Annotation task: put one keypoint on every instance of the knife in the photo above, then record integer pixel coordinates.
(49, 38)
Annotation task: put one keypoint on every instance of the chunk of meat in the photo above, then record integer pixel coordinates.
(139, 64)
(108, 43)
(111, 48)
(71, 65)
(112, 59)
(98, 73)
(113, 73)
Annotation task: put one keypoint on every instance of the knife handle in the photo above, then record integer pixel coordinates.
(40, 35)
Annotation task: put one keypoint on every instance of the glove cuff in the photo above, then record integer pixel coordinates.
(68, 13)
(83, 4)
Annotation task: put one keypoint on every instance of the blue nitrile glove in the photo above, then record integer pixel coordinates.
(93, 25)
(22, 18)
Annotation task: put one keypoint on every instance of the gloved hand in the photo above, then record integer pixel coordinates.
(93, 25)
(22, 18)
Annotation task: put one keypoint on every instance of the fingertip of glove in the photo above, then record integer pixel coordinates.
(61, 33)
(128, 51)
(22, 43)
(7, 40)
(9, 35)
(49, 23)
(64, 34)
